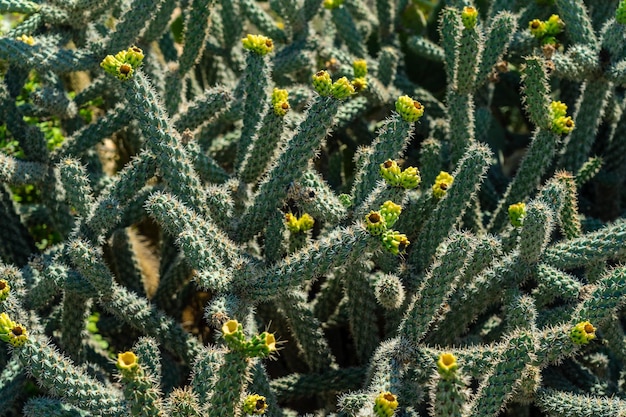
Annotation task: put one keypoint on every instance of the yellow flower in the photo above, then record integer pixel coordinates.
(385, 404)
(582, 333)
(126, 361)
(254, 404)
(442, 183)
(446, 365)
(259, 44)
(410, 110)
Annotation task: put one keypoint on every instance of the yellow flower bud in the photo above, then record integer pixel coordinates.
(258, 44)
(469, 16)
(410, 110)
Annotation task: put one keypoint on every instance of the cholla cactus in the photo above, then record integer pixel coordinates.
(198, 187)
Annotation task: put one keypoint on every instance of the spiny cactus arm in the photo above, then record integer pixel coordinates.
(604, 299)
(567, 404)
(78, 189)
(578, 63)
(196, 32)
(262, 20)
(520, 312)
(450, 33)
(260, 385)
(147, 351)
(568, 215)
(27, 27)
(448, 388)
(61, 377)
(74, 314)
(212, 103)
(51, 407)
(589, 111)
(264, 142)
(19, 6)
(232, 20)
(392, 140)
(159, 23)
(467, 179)
(497, 388)
(177, 219)
(470, 49)
(231, 380)
(289, 165)
(360, 297)
(388, 59)
(15, 171)
(553, 283)
(164, 142)
(602, 245)
(426, 48)
(577, 22)
(347, 30)
(484, 290)
(501, 31)
(612, 38)
(140, 389)
(206, 365)
(128, 307)
(537, 159)
(588, 170)
(296, 386)
(555, 344)
(386, 11)
(462, 123)
(310, 262)
(307, 332)
(107, 210)
(538, 226)
(256, 77)
(207, 168)
(54, 101)
(440, 282)
(316, 197)
(131, 24)
(12, 382)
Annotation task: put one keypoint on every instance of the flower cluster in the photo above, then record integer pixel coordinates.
(340, 89)
(258, 44)
(254, 404)
(379, 223)
(410, 110)
(297, 225)
(29, 40)
(442, 183)
(561, 124)
(12, 332)
(5, 289)
(395, 177)
(261, 345)
(280, 102)
(582, 333)
(546, 31)
(124, 63)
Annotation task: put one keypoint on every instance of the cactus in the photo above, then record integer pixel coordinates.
(409, 207)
